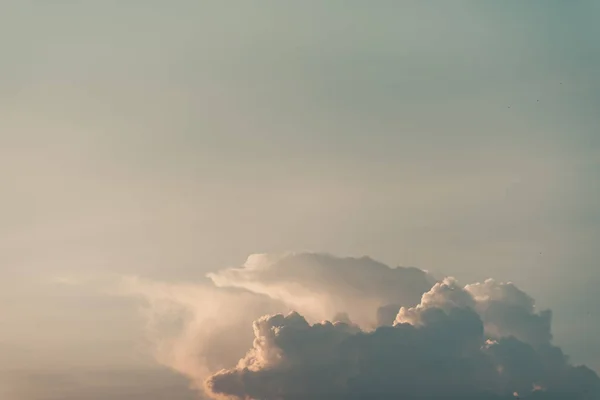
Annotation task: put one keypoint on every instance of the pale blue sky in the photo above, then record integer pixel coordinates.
(170, 138)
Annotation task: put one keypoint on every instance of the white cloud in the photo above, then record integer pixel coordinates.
(320, 286)
(508, 311)
(482, 341)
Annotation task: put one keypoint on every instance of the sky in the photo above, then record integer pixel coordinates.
(169, 140)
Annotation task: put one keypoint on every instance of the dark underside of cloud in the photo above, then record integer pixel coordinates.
(484, 341)
(445, 359)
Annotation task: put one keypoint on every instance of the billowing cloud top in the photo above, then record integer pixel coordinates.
(320, 285)
(482, 341)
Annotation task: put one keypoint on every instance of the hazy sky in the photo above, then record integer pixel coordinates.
(167, 139)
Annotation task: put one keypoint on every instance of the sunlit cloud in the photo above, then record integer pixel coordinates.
(485, 340)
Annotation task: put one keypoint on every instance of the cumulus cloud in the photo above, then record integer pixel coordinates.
(508, 311)
(482, 341)
(320, 286)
